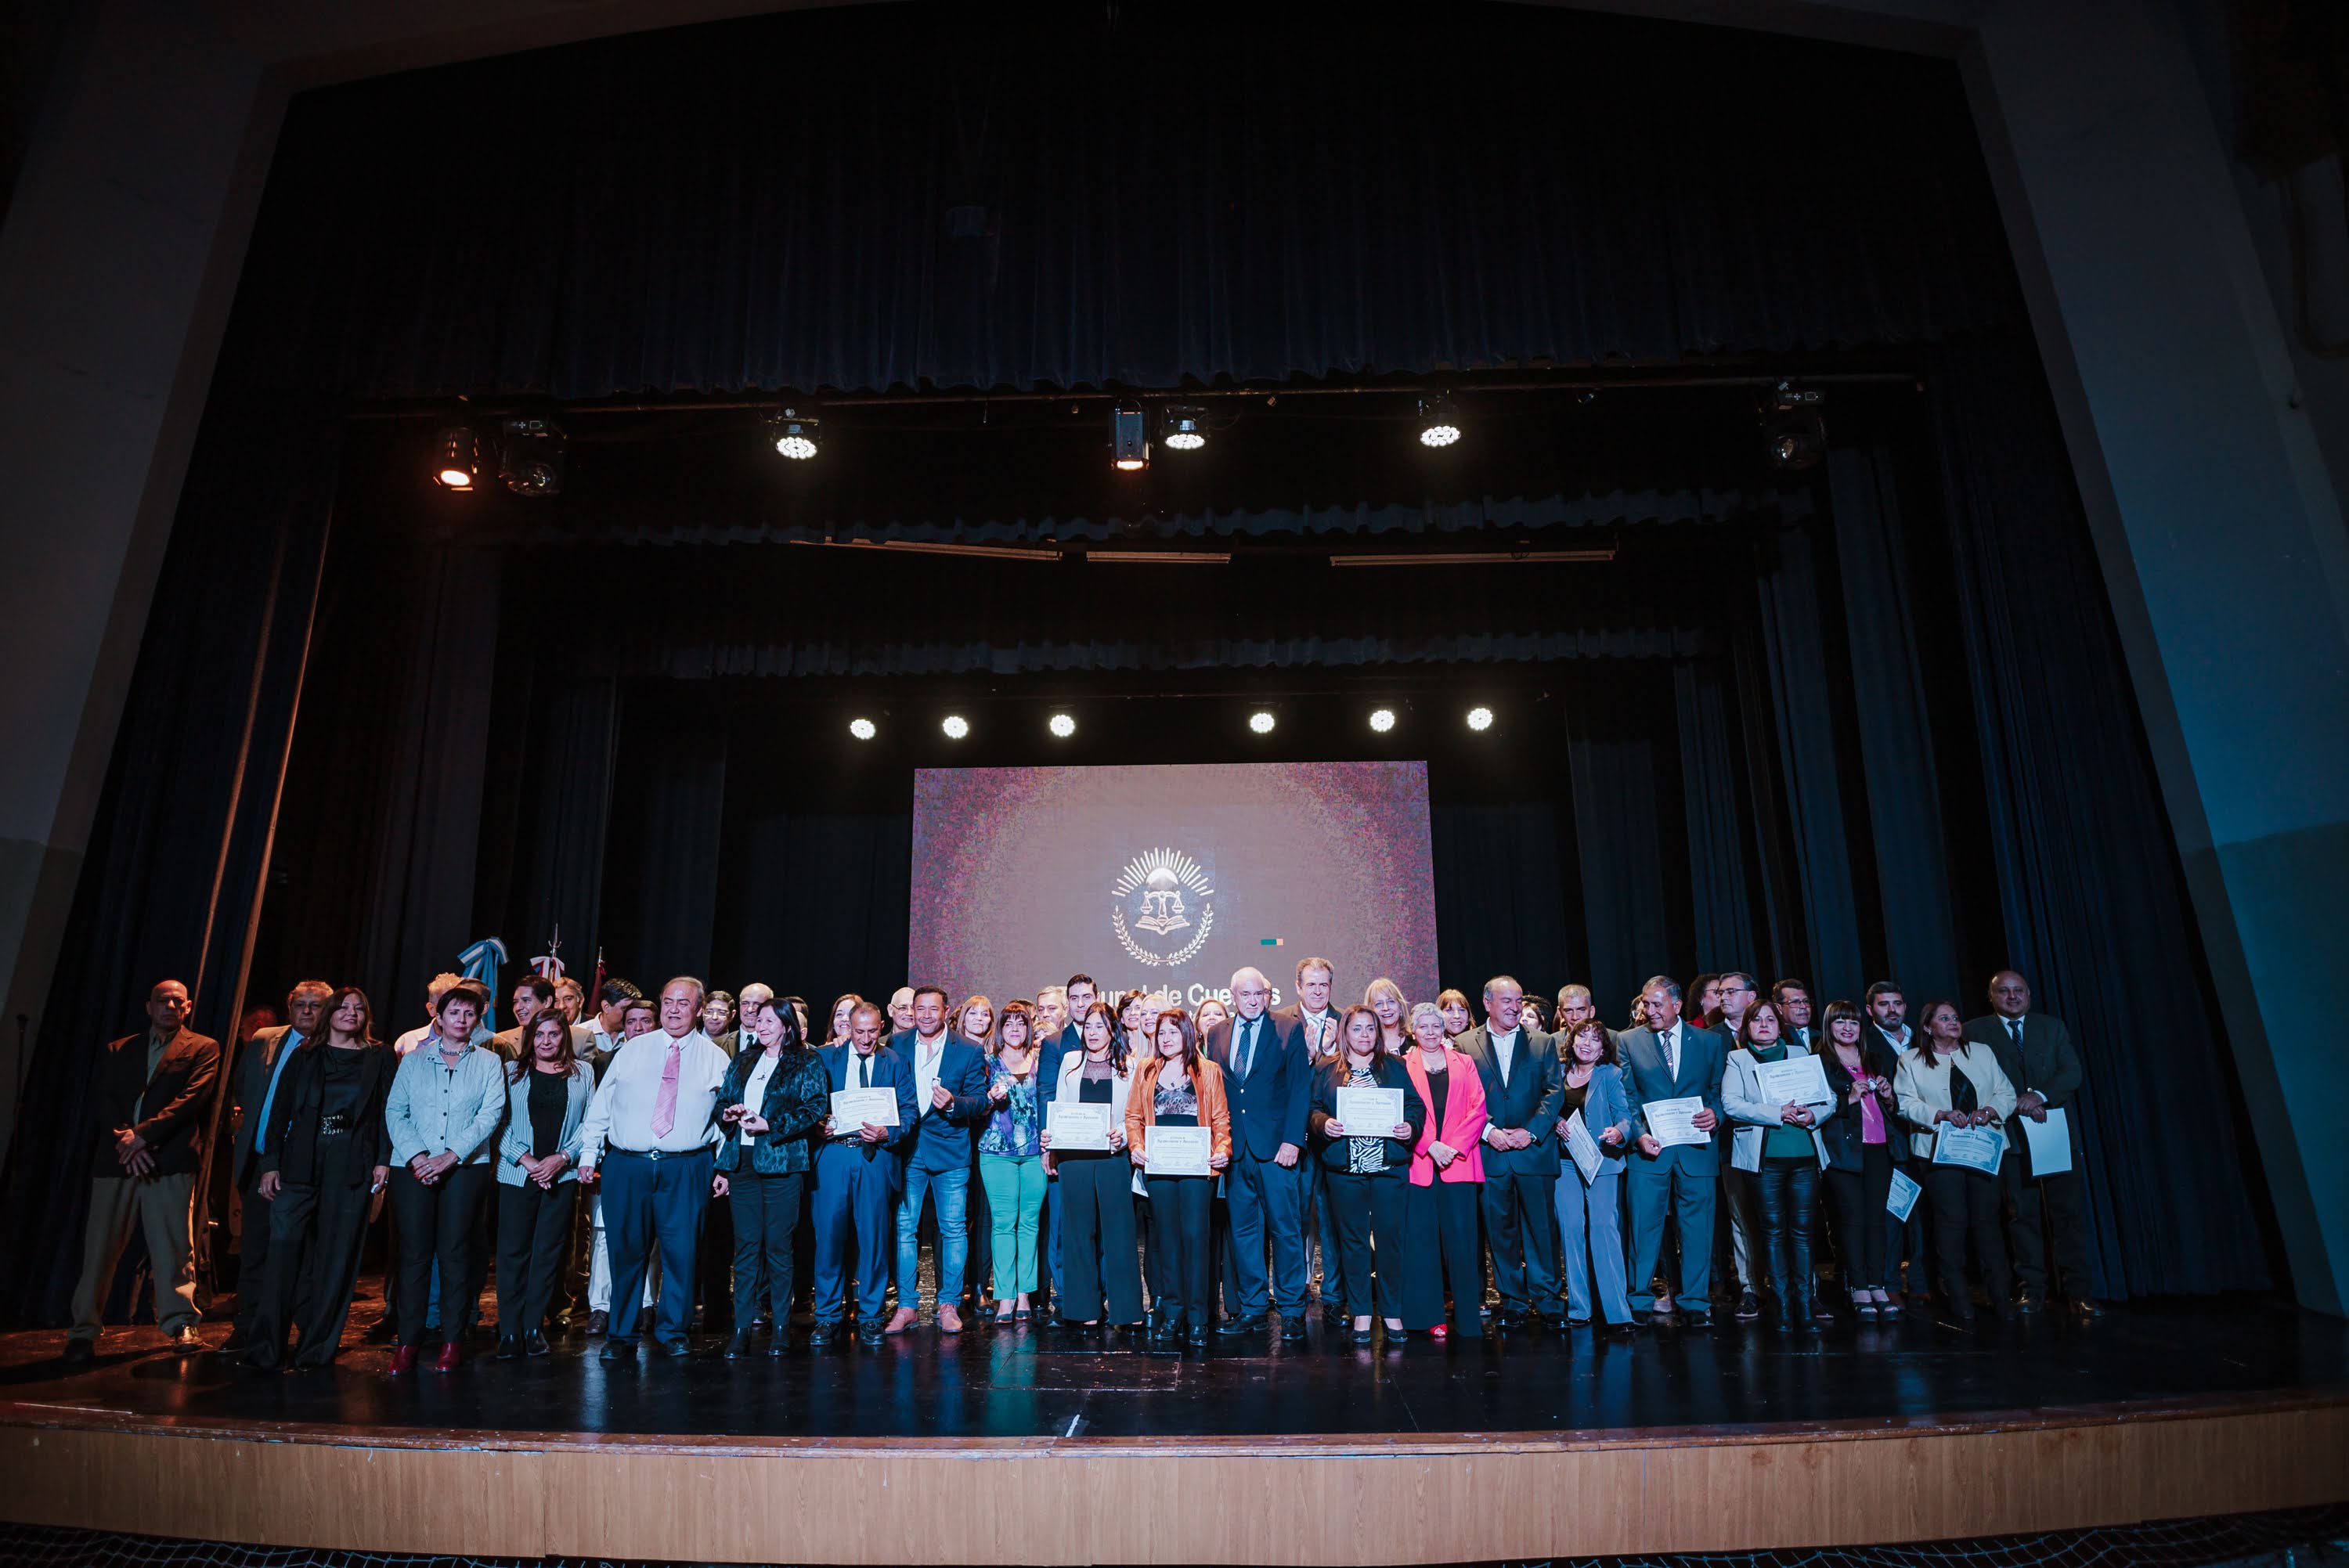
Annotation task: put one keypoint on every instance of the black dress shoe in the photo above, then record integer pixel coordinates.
(2082, 1306)
(1335, 1316)
(1510, 1318)
(1361, 1336)
(619, 1350)
(739, 1346)
(1699, 1318)
(1641, 1317)
(236, 1341)
(536, 1345)
(1292, 1329)
(869, 1338)
(509, 1349)
(80, 1352)
(1749, 1306)
(779, 1342)
(826, 1337)
(1199, 1334)
(1234, 1327)
(1565, 1323)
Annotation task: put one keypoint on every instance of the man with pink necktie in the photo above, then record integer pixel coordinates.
(651, 1135)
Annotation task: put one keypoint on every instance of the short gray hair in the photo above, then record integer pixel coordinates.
(1427, 1010)
(700, 992)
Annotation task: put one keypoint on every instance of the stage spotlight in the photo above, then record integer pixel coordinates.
(531, 454)
(1129, 439)
(1182, 428)
(1439, 424)
(863, 728)
(1260, 722)
(1793, 436)
(1480, 718)
(1382, 719)
(795, 436)
(457, 461)
(956, 726)
(1061, 725)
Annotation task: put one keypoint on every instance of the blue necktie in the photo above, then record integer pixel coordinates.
(286, 1048)
(1247, 1046)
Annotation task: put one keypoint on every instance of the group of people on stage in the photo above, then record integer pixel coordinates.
(1421, 1148)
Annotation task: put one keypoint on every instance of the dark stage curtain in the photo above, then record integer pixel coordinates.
(663, 850)
(1714, 819)
(1502, 885)
(995, 196)
(2095, 906)
(815, 897)
(172, 881)
(1612, 730)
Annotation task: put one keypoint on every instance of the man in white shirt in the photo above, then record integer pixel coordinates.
(650, 1134)
(1668, 1058)
(1315, 1023)
(1524, 1086)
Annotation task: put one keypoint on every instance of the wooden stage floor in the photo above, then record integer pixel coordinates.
(1535, 1446)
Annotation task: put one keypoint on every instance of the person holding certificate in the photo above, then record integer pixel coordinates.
(1594, 1125)
(1778, 1109)
(1862, 1152)
(1011, 1160)
(1674, 1072)
(1364, 1115)
(1099, 1266)
(1444, 1200)
(2034, 1050)
(1177, 1090)
(856, 1176)
(1948, 1081)
(775, 1096)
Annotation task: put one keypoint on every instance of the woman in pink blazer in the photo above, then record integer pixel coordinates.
(1447, 1175)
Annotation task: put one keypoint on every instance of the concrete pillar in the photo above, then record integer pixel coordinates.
(118, 261)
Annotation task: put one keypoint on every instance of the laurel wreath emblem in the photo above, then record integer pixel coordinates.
(1152, 960)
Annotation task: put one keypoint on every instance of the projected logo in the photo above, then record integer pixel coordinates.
(1161, 908)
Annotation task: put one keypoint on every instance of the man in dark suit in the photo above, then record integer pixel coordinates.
(2035, 1052)
(252, 1090)
(949, 1078)
(1076, 998)
(154, 1097)
(1669, 1058)
(857, 1173)
(1316, 1020)
(1524, 1086)
(1268, 1082)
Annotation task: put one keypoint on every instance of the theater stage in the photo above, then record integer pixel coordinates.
(1020, 1445)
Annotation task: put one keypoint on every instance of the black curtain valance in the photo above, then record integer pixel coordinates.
(1015, 195)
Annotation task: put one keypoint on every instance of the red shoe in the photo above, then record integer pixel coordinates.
(1441, 1331)
(449, 1359)
(403, 1361)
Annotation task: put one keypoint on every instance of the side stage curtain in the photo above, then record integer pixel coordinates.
(663, 849)
(2095, 906)
(1714, 819)
(1611, 741)
(1501, 889)
(175, 868)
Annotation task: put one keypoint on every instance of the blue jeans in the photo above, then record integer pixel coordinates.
(953, 1189)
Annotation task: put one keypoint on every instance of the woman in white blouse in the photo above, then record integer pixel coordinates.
(1944, 1079)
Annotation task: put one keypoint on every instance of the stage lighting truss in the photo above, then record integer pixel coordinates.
(1061, 725)
(532, 455)
(863, 728)
(1793, 435)
(796, 435)
(1439, 422)
(956, 726)
(1480, 718)
(1260, 722)
(1129, 438)
(1182, 428)
(457, 460)
(1382, 719)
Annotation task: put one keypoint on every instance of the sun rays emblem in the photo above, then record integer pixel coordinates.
(1160, 893)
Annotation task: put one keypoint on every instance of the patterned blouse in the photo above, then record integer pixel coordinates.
(1013, 1126)
(1364, 1155)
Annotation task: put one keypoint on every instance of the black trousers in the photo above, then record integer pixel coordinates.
(437, 1224)
(313, 1270)
(1966, 1211)
(766, 1234)
(1863, 1229)
(1183, 1272)
(1100, 1270)
(2060, 1196)
(1786, 1193)
(253, 1255)
(1521, 1224)
(1439, 1227)
(1368, 1213)
(533, 1233)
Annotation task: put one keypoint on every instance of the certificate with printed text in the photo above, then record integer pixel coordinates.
(1075, 1125)
(855, 1108)
(1178, 1150)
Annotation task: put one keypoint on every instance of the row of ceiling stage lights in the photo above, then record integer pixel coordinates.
(528, 455)
(1061, 726)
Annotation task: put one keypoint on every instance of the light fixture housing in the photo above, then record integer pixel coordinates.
(1439, 420)
(457, 460)
(1261, 722)
(1480, 718)
(956, 726)
(1129, 438)
(1382, 719)
(532, 455)
(863, 728)
(1182, 428)
(797, 436)
(1793, 434)
(1061, 725)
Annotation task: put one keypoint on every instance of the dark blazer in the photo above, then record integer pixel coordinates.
(1391, 1073)
(890, 1070)
(248, 1087)
(1051, 1051)
(1704, 1058)
(942, 1139)
(1536, 1088)
(797, 1099)
(1841, 1134)
(1294, 1016)
(173, 1104)
(2047, 1061)
(293, 1141)
(1269, 1107)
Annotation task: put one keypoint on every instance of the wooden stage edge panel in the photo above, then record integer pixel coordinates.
(1047, 1500)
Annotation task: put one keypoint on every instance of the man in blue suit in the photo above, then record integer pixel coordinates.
(949, 1096)
(856, 1180)
(1672, 1060)
(1267, 1080)
(1524, 1086)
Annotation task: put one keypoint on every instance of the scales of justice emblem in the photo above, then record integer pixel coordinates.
(1157, 925)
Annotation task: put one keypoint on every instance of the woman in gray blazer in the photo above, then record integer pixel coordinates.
(547, 1091)
(1589, 1224)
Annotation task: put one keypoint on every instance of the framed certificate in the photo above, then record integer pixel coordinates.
(1176, 1150)
(1077, 1126)
(855, 1108)
(1369, 1113)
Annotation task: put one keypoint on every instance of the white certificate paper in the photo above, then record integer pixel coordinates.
(1076, 1125)
(1369, 1113)
(1176, 1150)
(1673, 1122)
(1796, 1080)
(1970, 1148)
(1583, 1146)
(855, 1108)
(2049, 1143)
(1901, 1199)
